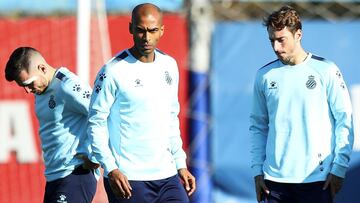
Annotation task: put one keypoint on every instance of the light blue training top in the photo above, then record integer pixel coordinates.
(62, 111)
(301, 122)
(133, 117)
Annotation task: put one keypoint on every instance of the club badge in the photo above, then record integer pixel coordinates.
(168, 78)
(311, 83)
(52, 102)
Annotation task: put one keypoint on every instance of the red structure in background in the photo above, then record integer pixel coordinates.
(55, 38)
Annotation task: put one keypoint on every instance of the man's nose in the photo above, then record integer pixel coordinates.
(146, 36)
(276, 46)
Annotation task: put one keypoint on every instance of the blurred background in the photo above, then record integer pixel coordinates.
(218, 44)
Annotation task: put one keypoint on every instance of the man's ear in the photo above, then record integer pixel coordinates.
(162, 30)
(298, 35)
(130, 28)
(42, 68)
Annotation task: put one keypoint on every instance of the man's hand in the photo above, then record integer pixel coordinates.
(188, 180)
(335, 184)
(260, 187)
(119, 184)
(87, 163)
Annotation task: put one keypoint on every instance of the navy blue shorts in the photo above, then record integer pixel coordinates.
(157, 191)
(297, 193)
(78, 187)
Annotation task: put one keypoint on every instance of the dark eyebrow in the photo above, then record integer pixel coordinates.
(153, 29)
(273, 39)
(148, 29)
(139, 28)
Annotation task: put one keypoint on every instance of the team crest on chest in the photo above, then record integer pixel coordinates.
(311, 83)
(168, 78)
(52, 102)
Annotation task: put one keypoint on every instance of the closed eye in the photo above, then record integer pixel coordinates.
(29, 81)
(153, 30)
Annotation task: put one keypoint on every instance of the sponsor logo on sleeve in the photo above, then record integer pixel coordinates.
(97, 89)
(86, 94)
(273, 85)
(77, 88)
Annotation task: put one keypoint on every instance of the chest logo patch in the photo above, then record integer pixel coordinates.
(273, 85)
(138, 83)
(52, 102)
(311, 83)
(168, 78)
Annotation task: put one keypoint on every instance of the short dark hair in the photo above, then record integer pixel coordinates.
(286, 16)
(18, 61)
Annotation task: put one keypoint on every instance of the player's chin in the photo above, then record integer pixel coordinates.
(147, 51)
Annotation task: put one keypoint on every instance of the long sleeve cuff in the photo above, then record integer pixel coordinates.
(338, 170)
(93, 159)
(108, 168)
(180, 163)
(257, 170)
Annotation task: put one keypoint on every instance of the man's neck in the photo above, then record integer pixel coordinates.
(143, 58)
(50, 74)
(301, 57)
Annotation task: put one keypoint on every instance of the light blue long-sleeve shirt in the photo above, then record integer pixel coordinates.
(62, 112)
(301, 122)
(133, 117)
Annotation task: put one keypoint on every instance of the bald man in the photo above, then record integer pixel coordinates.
(133, 119)
(61, 103)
